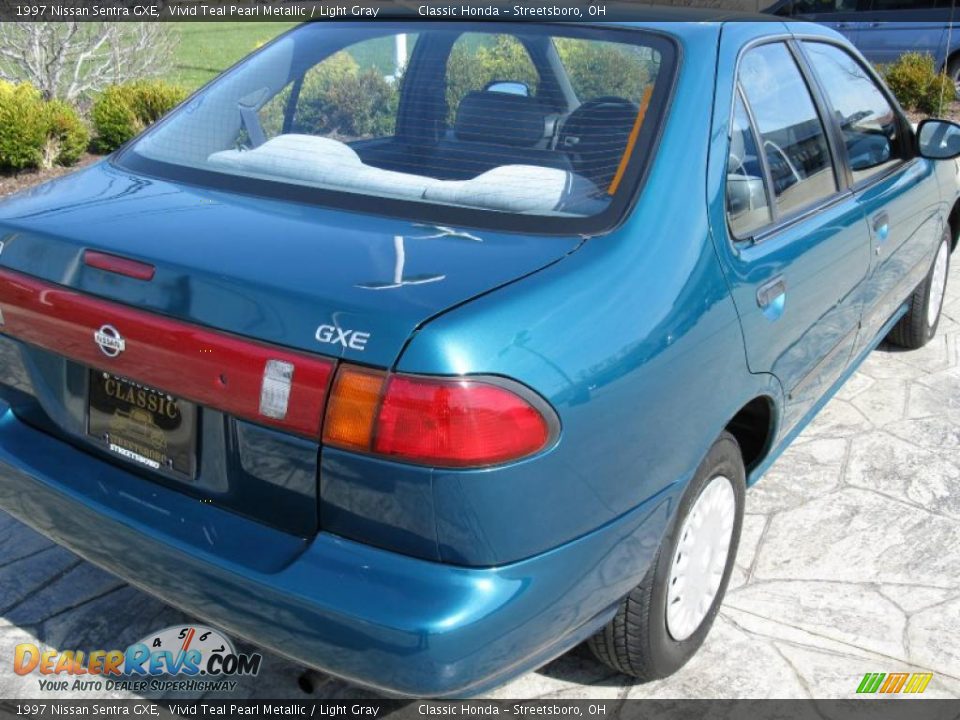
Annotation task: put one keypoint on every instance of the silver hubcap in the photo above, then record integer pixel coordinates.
(701, 558)
(938, 285)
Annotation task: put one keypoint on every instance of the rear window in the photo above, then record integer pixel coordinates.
(521, 127)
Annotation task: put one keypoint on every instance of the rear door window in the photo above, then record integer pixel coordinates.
(792, 137)
(748, 208)
(870, 125)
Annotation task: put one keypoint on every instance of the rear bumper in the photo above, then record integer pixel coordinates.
(398, 624)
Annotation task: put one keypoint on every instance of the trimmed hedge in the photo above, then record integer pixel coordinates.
(917, 84)
(35, 133)
(67, 135)
(122, 112)
(22, 136)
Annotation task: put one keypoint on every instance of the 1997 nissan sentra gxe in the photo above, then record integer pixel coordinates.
(424, 352)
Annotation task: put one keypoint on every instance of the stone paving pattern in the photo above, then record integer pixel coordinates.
(849, 563)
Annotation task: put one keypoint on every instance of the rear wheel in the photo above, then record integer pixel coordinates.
(664, 620)
(919, 325)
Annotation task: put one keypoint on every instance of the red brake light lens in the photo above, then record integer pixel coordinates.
(447, 422)
(457, 423)
(119, 265)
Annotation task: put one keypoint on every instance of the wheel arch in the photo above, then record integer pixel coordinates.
(754, 427)
(953, 54)
(954, 222)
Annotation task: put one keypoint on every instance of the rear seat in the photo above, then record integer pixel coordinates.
(493, 129)
(329, 163)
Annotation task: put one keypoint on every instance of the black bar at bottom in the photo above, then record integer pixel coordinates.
(879, 708)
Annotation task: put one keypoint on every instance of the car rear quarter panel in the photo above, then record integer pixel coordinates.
(633, 339)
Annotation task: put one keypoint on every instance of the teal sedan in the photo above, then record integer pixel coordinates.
(421, 353)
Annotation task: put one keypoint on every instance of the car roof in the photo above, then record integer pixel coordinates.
(687, 17)
(659, 14)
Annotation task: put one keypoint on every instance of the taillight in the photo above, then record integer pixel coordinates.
(457, 423)
(444, 422)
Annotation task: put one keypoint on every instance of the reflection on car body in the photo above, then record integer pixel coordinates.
(138, 425)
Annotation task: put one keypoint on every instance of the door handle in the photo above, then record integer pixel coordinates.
(770, 291)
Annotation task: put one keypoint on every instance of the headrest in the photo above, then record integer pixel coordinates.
(500, 118)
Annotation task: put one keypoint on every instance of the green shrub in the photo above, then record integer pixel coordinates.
(598, 69)
(315, 104)
(152, 99)
(122, 112)
(36, 133)
(917, 84)
(114, 120)
(67, 135)
(357, 105)
(22, 126)
(339, 100)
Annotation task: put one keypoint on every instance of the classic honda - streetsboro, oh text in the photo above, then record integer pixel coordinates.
(422, 369)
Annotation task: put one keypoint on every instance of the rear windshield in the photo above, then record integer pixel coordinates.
(546, 128)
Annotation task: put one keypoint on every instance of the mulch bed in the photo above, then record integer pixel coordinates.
(12, 182)
(951, 112)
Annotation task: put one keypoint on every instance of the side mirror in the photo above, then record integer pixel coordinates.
(509, 87)
(938, 139)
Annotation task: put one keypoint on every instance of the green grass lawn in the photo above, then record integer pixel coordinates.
(208, 48)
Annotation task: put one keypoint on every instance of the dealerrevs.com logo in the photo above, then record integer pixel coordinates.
(184, 658)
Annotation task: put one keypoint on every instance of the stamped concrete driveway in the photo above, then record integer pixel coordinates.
(849, 563)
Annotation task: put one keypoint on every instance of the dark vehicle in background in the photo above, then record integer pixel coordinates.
(883, 30)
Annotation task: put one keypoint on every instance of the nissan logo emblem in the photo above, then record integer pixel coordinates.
(110, 341)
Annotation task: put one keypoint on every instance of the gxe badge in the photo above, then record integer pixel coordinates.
(110, 341)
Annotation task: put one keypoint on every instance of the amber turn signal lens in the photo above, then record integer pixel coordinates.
(353, 408)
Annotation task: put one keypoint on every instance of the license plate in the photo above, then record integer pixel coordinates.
(142, 424)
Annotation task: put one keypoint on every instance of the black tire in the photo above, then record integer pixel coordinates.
(637, 641)
(915, 329)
